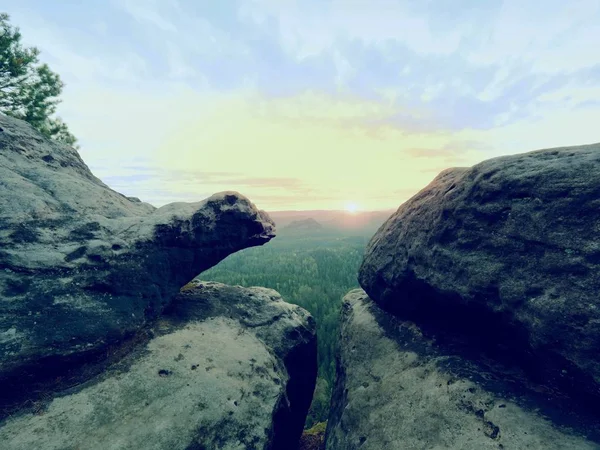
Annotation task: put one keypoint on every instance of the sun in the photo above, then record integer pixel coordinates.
(351, 207)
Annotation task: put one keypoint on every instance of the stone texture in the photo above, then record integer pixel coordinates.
(83, 267)
(507, 254)
(224, 368)
(399, 386)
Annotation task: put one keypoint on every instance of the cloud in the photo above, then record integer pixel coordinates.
(589, 104)
(556, 41)
(446, 73)
(164, 186)
(150, 12)
(452, 149)
(472, 64)
(178, 64)
(81, 57)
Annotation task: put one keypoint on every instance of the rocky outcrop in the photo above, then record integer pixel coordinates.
(224, 368)
(399, 386)
(506, 254)
(83, 267)
(484, 326)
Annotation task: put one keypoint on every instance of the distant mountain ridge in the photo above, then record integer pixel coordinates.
(362, 222)
(309, 224)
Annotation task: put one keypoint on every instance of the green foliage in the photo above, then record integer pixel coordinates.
(314, 272)
(318, 428)
(319, 409)
(29, 90)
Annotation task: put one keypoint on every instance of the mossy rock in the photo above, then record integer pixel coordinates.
(313, 438)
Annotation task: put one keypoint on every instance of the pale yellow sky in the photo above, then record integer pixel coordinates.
(312, 151)
(307, 151)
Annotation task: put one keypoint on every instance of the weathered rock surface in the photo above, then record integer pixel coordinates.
(400, 387)
(224, 368)
(506, 254)
(82, 267)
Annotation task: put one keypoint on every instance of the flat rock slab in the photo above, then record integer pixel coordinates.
(83, 267)
(398, 388)
(225, 368)
(507, 252)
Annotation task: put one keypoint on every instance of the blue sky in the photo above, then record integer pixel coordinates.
(314, 104)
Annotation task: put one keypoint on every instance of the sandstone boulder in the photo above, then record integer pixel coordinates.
(400, 386)
(505, 254)
(224, 368)
(83, 267)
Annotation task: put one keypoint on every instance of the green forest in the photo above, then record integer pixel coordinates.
(311, 270)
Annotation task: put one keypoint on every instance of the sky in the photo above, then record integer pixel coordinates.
(314, 104)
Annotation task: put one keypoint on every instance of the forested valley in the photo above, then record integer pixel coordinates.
(313, 269)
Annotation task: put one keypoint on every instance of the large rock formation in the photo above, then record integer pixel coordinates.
(224, 368)
(99, 348)
(399, 387)
(82, 267)
(508, 252)
(489, 279)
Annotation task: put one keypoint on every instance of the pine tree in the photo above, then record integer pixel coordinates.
(29, 90)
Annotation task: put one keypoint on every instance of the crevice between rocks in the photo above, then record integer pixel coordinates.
(290, 415)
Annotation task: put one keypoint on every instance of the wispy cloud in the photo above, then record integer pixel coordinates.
(452, 149)
(150, 12)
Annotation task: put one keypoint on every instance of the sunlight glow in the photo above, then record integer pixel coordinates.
(351, 207)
